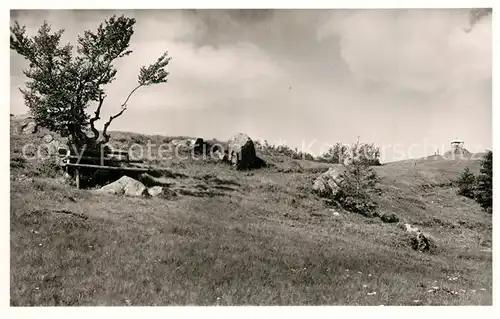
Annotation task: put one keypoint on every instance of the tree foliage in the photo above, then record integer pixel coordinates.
(358, 182)
(466, 183)
(63, 83)
(368, 153)
(484, 187)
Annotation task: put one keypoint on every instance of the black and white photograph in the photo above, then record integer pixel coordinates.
(251, 157)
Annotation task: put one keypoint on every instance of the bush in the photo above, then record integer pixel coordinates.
(284, 150)
(357, 203)
(48, 168)
(466, 184)
(389, 218)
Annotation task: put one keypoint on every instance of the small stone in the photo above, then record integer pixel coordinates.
(155, 191)
(48, 138)
(364, 286)
(372, 293)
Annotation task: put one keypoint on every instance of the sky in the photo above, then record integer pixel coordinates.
(409, 81)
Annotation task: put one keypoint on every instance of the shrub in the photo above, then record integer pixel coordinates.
(358, 183)
(368, 153)
(466, 183)
(48, 168)
(17, 162)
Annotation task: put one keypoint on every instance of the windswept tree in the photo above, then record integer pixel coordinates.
(63, 83)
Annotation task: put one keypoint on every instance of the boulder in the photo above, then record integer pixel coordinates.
(328, 184)
(125, 185)
(242, 153)
(200, 146)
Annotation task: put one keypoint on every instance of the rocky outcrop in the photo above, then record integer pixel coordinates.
(418, 240)
(328, 184)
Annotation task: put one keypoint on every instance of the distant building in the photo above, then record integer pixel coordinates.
(457, 145)
(457, 150)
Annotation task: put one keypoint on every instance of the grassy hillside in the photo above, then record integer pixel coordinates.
(259, 238)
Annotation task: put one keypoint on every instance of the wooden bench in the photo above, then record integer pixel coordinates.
(73, 160)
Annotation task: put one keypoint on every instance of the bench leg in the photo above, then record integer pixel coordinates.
(77, 174)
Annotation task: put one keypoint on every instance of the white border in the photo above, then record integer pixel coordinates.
(221, 312)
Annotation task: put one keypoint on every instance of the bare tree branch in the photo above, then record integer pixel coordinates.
(105, 135)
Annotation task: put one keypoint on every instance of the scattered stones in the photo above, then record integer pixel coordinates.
(372, 293)
(180, 143)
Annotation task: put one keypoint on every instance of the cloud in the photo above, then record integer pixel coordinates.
(201, 76)
(422, 50)
(294, 75)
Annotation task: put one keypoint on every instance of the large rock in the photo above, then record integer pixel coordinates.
(242, 152)
(200, 146)
(418, 240)
(125, 185)
(29, 128)
(328, 183)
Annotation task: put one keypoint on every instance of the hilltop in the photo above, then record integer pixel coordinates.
(237, 237)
